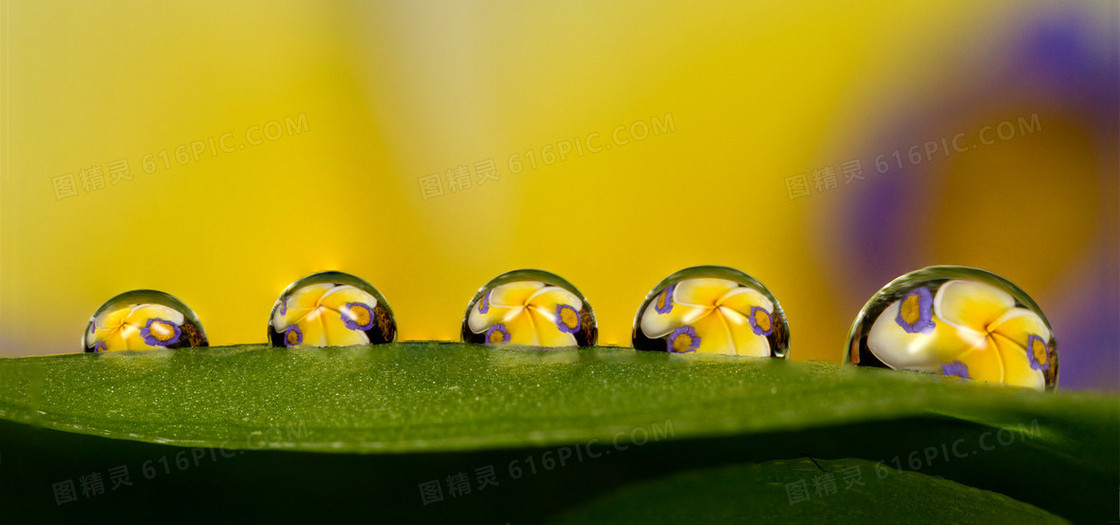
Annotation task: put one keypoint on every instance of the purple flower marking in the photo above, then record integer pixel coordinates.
(915, 312)
(500, 329)
(153, 339)
(99, 347)
(690, 342)
(1035, 346)
(353, 322)
(562, 324)
(956, 368)
(284, 306)
(755, 326)
(288, 336)
(664, 303)
(484, 303)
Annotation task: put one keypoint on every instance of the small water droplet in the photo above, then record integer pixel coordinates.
(956, 321)
(142, 320)
(531, 308)
(711, 309)
(330, 309)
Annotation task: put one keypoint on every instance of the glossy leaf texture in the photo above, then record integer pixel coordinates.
(373, 423)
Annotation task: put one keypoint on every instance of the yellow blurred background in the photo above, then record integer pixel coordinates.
(218, 151)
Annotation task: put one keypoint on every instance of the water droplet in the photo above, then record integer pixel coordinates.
(331, 309)
(711, 309)
(531, 308)
(956, 321)
(142, 320)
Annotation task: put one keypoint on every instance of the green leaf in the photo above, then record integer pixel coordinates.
(799, 491)
(460, 406)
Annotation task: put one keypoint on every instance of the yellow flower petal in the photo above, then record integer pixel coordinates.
(113, 341)
(336, 333)
(971, 305)
(1018, 324)
(549, 297)
(107, 328)
(715, 338)
(741, 300)
(655, 324)
(548, 333)
(102, 335)
(514, 294)
(337, 297)
(311, 328)
(105, 333)
(742, 334)
(984, 364)
(130, 333)
(898, 348)
(324, 327)
(112, 319)
(541, 313)
(298, 305)
(142, 312)
(478, 322)
(522, 330)
(1016, 365)
(702, 291)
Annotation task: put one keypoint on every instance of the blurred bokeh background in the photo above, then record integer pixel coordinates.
(218, 151)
